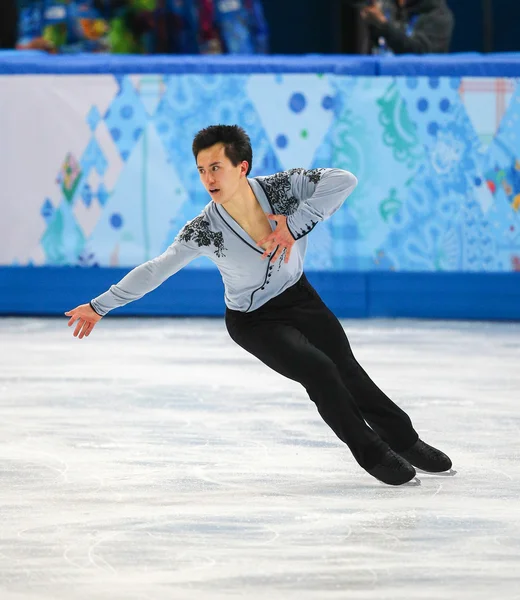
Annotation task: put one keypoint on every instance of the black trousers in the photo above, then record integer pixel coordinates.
(298, 336)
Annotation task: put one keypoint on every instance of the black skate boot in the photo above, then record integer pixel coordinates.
(393, 470)
(427, 458)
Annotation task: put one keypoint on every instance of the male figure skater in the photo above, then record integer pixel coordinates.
(271, 309)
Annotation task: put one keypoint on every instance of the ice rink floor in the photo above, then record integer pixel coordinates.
(157, 460)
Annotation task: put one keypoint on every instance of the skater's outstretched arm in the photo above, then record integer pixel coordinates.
(134, 285)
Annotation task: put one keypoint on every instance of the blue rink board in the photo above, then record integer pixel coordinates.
(468, 65)
(481, 296)
(38, 63)
(454, 65)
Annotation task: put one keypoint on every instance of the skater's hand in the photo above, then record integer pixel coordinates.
(86, 318)
(280, 237)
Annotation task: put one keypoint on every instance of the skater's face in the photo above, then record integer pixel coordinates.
(219, 175)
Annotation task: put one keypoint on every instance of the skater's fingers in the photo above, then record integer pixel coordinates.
(72, 312)
(268, 249)
(89, 329)
(278, 253)
(78, 327)
(265, 240)
(72, 320)
(84, 329)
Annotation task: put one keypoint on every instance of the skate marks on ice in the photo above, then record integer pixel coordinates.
(157, 460)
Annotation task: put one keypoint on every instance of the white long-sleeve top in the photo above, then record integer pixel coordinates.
(306, 197)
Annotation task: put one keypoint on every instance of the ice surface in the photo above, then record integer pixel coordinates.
(157, 460)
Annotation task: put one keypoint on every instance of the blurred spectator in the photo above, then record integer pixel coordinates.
(406, 26)
(209, 27)
(82, 25)
(8, 24)
(242, 26)
(143, 26)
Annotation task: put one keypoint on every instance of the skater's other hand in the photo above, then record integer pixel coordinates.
(86, 317)
(280, 237)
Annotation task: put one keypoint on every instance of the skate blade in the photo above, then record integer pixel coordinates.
(412, 483)
(449, 473)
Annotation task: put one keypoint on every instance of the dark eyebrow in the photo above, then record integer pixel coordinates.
(218, 162)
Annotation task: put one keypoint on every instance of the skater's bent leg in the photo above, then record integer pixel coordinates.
(325, 332)
(287, 351)
(383, 415)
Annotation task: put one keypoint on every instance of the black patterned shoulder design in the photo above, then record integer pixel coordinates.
(277, 188)
(198, 230)
(314, 175)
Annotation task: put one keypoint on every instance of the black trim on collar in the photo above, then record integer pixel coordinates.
(266, 195)
(236, 233)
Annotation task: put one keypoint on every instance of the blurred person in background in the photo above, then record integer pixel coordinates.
(209, 27)
(8, 24)
(143, 26)
(32, 34)
(242, 26)
(405, 26)
(69, 26)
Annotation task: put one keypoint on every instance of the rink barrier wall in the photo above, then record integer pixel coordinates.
(454, 65)
(449, 295)
(470, 296)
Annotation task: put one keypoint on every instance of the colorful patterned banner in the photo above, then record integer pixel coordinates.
(97, 170)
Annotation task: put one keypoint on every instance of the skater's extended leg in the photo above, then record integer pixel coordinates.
(324, 331)
(392, 424)
(287, 351)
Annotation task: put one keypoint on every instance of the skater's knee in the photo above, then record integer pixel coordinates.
(321, 374)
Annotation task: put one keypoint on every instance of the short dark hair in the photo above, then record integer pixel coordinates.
(237, 145)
